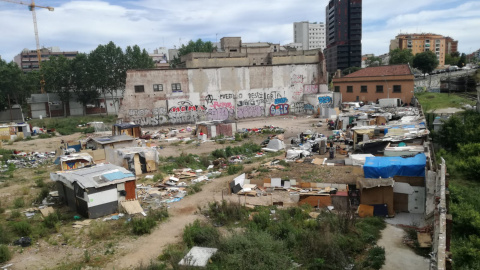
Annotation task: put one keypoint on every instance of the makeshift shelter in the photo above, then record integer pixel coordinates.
(274, 145)
(133, 130)
(117, 141)
(74, 161)
(95, 191)
(409, 194)
(386, 167)
(215, 128)
(377, 193)
(135, 159)
(13, 131)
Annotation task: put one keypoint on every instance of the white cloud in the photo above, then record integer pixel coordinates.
(83, 25)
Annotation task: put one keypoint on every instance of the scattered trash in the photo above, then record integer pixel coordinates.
(23, 241)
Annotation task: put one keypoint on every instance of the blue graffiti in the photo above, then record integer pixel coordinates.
(281, 100)
(325, 100)
(308, 107)
(280, 109)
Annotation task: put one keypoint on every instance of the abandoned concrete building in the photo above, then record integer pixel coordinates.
(229, 86)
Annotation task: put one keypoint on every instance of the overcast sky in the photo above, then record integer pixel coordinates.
(83, 25)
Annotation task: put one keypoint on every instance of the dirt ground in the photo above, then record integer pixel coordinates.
(398, 255)
(142, 250)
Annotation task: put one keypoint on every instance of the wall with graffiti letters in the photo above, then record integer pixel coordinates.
(218, 94)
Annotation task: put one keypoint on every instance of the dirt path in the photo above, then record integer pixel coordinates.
(398, 255)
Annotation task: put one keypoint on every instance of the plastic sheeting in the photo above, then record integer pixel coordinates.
(385, 167)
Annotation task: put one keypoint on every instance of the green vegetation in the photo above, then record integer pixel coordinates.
(144, 225)
(434, 101)
(399, 56)
(269, 238)
(70, 125)
(426, 61)
(461, 150)
(5, 254)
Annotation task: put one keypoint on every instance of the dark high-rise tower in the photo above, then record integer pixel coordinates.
(344, 34)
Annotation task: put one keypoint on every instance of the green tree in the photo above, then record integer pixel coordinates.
(85, 93)
(459, 130)
(107, 69)
(58, 78)
(462, 61)
(136, 58)
(451, 60)
(426, 61)
(197, 46)
(399, 56)
(16, 85)
(373, 61)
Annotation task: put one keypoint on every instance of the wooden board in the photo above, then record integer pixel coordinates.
(130, 189)
(131, 207)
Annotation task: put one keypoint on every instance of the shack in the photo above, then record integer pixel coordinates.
(74, 161)
(95, 191)
(377, 193)
(133, 130)
(13, 131)
(117, 141)
(216, 128)
(135, 159)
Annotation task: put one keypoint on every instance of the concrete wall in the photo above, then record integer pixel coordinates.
(220, 93)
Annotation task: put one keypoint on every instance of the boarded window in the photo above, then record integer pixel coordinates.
(397, 89)
(139, 88)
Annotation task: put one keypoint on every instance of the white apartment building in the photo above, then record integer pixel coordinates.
(310, 35)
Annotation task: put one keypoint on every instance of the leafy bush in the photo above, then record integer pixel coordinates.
(4, 235)
(142, 225)
(45, 136)
(51, 220)
(21, 228)
(197, 234)
(172, 254)
(194, 188)
(99, 230)
(226, 212)
(375, 258)
(5, 254)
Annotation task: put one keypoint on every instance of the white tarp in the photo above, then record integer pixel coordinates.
(274, 145)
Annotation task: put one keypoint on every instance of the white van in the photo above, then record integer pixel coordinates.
(390, 102)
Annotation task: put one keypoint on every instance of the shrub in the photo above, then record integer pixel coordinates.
(99, 230)
(39, 182)
(142, 225)
(43, 194)
(194, 188)
(21, 228)
(44, 136)
(4, 235)
(18, 202)
(172, 254)
(375, 258)
(233, 169)
(198, 234)
(225, 212)
(5, 254)
(238, 137)
(51, 220)
(159, 214)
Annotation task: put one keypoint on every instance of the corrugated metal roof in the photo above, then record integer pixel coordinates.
(94, 176)
(112, 139)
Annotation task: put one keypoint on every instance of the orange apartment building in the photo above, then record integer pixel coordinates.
(418, 43)
(372, 83)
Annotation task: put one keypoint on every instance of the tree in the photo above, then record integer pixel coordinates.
(58, 78)
(197, 46)
(107, 69)
(451, 60)
(399, 56)
(462, 61)
(373, 61)
(426, 61)
(135, 58)
(81, 84)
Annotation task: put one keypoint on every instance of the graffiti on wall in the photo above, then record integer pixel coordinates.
(310, 88)
(249, 111)
(279, 109)
(281, 100)
(325, 101)
(219, 114)
(296, 78)
(297, 107)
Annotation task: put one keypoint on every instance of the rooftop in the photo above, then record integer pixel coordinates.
(392, 70)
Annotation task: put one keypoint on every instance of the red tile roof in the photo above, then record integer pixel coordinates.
(393, 70)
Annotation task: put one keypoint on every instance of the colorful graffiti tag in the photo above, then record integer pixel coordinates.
(279, 109)
(249, 111)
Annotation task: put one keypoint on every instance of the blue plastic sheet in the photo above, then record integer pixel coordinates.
(385, 167)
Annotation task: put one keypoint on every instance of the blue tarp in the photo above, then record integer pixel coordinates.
(117, 175)
(385, 167)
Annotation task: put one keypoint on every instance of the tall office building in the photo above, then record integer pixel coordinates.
(310, 35)
(27, 60)
(344, 34)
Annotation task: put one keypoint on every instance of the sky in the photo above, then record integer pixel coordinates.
(83, 25)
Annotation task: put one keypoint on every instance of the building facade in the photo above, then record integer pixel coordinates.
(418, 43)
(343, 34)
(155, 97)
(27, 60)
(373, 83)
(310, 35)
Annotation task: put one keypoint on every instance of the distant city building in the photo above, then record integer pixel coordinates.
(418, 43)
(27, 60)
(292, 46)
(233, 53)
(172, 53)
(310, 35)
(160, 57)
(344, 34)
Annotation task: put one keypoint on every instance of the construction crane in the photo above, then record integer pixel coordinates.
(31, 7)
